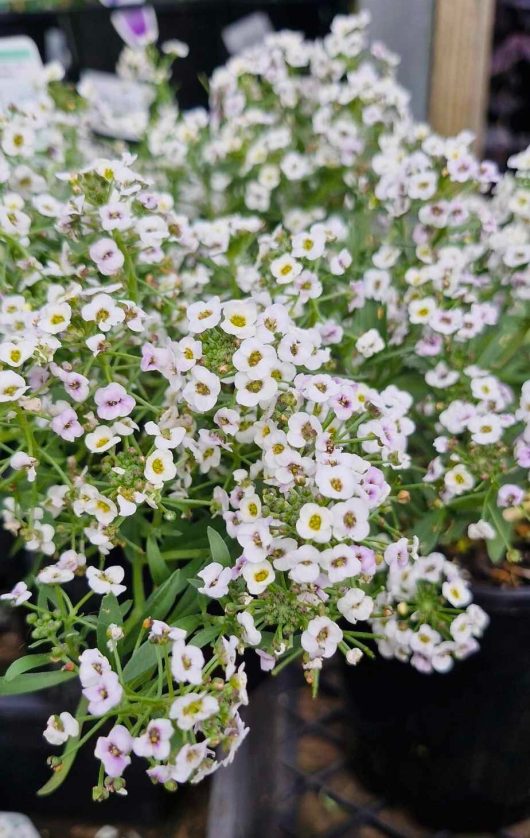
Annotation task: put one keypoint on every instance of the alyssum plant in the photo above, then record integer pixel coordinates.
(221, 382)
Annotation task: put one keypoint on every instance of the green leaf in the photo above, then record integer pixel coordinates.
(205, 635)
(141, 661)
(220, 552)
(35, 681)
(159, 569)
(497, 546)
(109, 612)
(429, 529)
(25, 664)
(58, 777)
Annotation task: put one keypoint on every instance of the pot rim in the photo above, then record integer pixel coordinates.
(501, 599)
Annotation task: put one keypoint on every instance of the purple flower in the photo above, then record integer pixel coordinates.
(104, 695)
(155, 741)
(397, 553)
(113, 750)
(509, 495)
(522, 454)
(137, 27)
(113, 401)
(67, 425)
(108, 257)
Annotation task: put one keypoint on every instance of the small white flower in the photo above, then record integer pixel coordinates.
(355, 605)
(187, 662)
(101, 439)
(160, 467)
(459, 480)
(285, 269)
(314, 523)
(258, 576)
(216, 579)
(12, 386)
(321, 638)
(250, 633)
(60, 728)
(370, 343)
(457, 593)
(482, 529)
(192, 708)
(106, 581)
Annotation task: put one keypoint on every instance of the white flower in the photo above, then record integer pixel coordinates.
(350, 519)
(160, 467)
(203, 315)
(101, 439)
(216, 579)
(187, 662)
(482, 529)
(485, 430)
(106, 581)
(239, 318)
(15, 354)
(104, 311)
(21, 460)
(354, 656)
(165, 438)
(250, 633)
(188, 760)
(456, 592)
(321, 638)
(202, 390)
(60, 728)
(314, 523)
(258, 576)
(12, 386)
(355, 605)
(55, 318)
(370, 343)
(309, 245)
(18, 595)
(192, 708)
(53, 574)
(458, 480)
(251, 392)
(285, 269)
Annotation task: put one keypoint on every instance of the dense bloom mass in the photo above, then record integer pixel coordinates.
(253, 380)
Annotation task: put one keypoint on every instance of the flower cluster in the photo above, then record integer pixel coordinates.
(224, 364)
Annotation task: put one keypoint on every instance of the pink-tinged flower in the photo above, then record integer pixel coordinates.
(136, 27)
(160, 773)
(522, 454)
(155, 741)
(113, 401)
(66, 425)
(509, 495)
(17, 595)
(92, 666)
(400, 552)
(113, 750)
(76, 385)
(104, 695)
(108, 257)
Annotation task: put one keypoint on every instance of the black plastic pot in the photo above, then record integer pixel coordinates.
(454, 748)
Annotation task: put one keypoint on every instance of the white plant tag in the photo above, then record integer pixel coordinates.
(20, 70)
(246, 32)
(118, 107)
